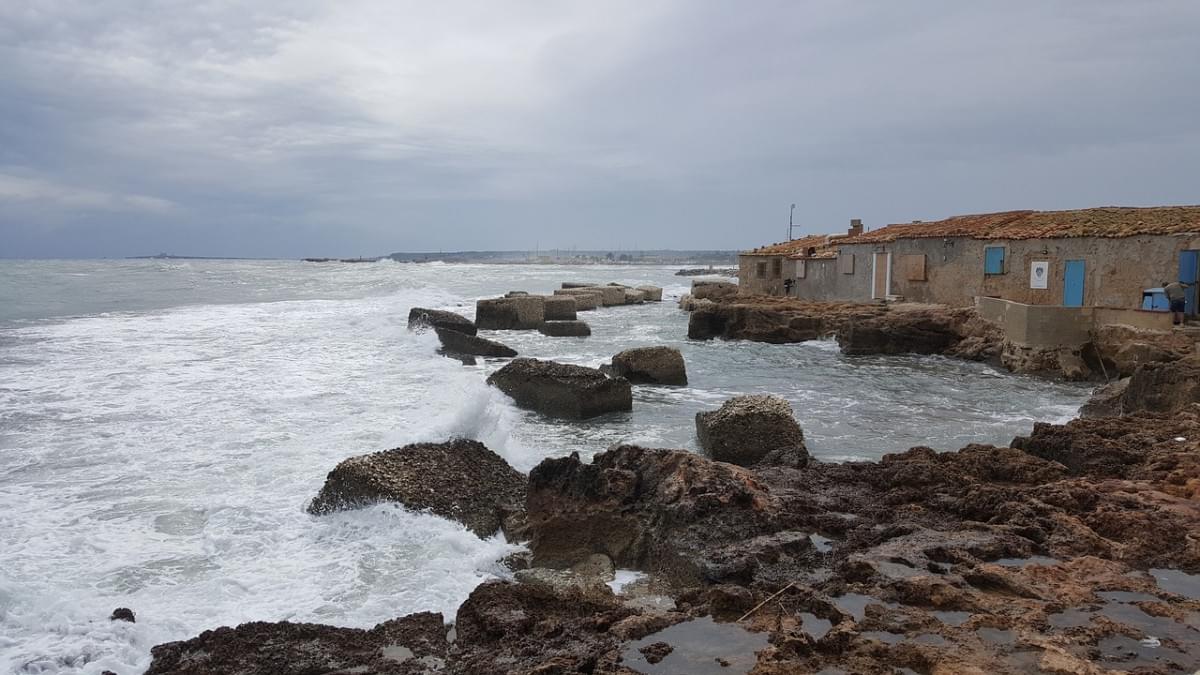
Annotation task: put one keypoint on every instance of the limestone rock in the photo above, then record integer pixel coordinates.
(652, 293)
(609, 295)
(1163, 387)
(565, 329)
(585, 299)
(1065, 362)
(457, 343)
(419, 318)
(713, 290)
(1107, 400)
(559, 308)
(633, 297)
(650, 365)
(748, 428)
(516, 313)
(461, 479)
(562, 390)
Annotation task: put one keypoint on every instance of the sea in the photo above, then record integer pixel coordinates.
(164, 423)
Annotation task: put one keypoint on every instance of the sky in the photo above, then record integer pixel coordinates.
(292, 128)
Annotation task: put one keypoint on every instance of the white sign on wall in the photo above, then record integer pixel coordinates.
(1039, 274)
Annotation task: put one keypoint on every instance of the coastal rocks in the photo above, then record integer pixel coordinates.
(461, 479)
(689, 304)
(1163, 387)
(713, 290)
(412, 645)
(123, 614)
(1107, 400)
(651, 293)
(559, 308)
(515, 313)
(565, 329)
(670, 512)
(650, 365)
(634, 297)
(419, 317)
(1124, 348)
(919, 329)
(747, 428)
(773, 320)
(703, 271)
(562, 390)
(610, 296)
(454, 342)
(1065, 362)
(585, 300)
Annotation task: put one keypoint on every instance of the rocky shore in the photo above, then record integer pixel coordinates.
(1076, 549)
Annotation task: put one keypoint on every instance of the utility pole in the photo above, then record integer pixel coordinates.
(790, 214)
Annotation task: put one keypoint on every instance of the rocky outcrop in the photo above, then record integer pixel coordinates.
(562, 390)
(1163, 387)
(668, 511)
(461, 479)
(610, 296)
(773, 320)
(1124, 348)
(1065, 362)
(559, 308)
(578, 284)
(420, 318)
(922, 329)
(516, 313)
(651, 293)
(650, 365)
(458, 343)
(713, 290)
(565, 329)
(1107, 400)
(746, 429)
(412, 645)
(704, 271)
(689, 304)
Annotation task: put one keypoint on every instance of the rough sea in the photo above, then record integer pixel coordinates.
(163, 424)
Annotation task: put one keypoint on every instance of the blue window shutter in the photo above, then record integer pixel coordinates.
(993, 260)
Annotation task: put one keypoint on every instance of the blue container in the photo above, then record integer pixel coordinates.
(1155, 300)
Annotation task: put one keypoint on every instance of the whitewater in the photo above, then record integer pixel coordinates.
(163, 425)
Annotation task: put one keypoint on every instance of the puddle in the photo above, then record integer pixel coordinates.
(1072, 618)
(822, 544)
(814, 625)
(697, 644)
(1118, 651)
(995, 636)
(1177, 582)
(883, 636)
(854, 604)
(1025, 562)
(951, 618)
(931, 640)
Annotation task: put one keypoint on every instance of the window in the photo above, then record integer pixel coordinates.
(913, 266)
(776, 268)
(845, 263)
(761, 270)
(801, 269)
(993, 260)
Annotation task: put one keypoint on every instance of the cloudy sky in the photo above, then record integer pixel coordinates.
(297, 127)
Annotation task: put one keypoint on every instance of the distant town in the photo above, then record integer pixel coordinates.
(536, 257)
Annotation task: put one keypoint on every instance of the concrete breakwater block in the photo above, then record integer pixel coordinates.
(559, 308)
(565, 329)
(562, 390)
(746, 429)
(515, 313)
(585, 300)
(652, 293)
(461, 343)
(420, 318)
(650, 365)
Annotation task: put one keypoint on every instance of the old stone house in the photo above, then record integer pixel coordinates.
(1101, 257)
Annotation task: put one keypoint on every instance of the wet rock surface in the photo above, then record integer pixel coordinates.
(559, 308)
(565, 329)
(562, 390)
(420, 318)
(770, 319)
(515, 313)
(921, 329)
(746, 429)
(458, 343)
(461, 479)
(651, 365)
(412, 645)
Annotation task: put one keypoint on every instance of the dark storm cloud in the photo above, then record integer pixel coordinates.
(296, 128)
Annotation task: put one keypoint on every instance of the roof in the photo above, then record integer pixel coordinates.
(1108, 221)
(798, 247)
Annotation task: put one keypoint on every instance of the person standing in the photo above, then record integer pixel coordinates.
(1176, 292)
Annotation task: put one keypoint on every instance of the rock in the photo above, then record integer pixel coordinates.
(713, 290)
(565, 329)
(585, 300)
(460, 479)
(406, 646)
(1163, 387)
(516, 294)
(650, 365)
(564, 582)
(773, 320)
(559, 308)
(123, 614)
(419, 318)
(562, 390)
(652, 293)
(465, 359)
(609, 295)
(1124, 348)
(688, 304)
(921, 330)
(704, 271)
(633, 297)
(518, 313)
(1065, 362)
(567, 285)
(461, 343)
(656, 652)
(670, 512)
(1107, 400)
(748, 428)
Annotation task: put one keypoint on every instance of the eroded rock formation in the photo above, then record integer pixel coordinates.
(651, 365)
(419, 318)
(456, 343)
(745, 430)
(562, 390)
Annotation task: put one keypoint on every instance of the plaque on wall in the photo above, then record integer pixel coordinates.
(1039, 274)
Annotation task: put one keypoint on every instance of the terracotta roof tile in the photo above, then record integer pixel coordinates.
(797, 247)
(1110, 222)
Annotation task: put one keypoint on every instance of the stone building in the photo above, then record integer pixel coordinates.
(1101, 257)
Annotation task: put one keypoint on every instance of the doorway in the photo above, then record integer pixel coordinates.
(881, 276)
(1073, 276)
(1189, 270)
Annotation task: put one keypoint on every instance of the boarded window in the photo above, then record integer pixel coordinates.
(776, 268)
(993, 260)
(761, 270)
(846, 263)
(801, 269)
(913, 267)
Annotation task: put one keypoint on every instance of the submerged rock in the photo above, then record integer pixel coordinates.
(461, 479)
(650, 365)
(410, 645)
(748, 428)
(562, 390)
(516, 313)
(565, 329)
(419, 317)
(461, 343)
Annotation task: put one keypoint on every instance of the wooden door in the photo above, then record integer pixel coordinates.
(881, 275)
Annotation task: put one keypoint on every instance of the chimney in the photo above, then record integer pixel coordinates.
(856, 227)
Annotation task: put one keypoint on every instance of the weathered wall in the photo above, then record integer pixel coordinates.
(749, 281)
(1135, 318)
(824, 280)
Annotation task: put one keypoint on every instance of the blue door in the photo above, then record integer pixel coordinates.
(1073, 284)
(1189, 261)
